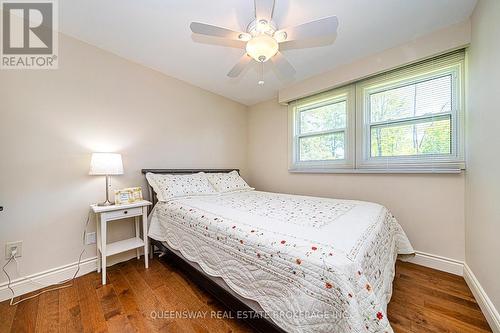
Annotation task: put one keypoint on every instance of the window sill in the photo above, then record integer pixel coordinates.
(379, 171)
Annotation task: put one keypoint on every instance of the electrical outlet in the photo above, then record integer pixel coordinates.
(13, 246)
(90, 238)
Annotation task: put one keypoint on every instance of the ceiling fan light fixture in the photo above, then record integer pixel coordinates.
(244, 37)
(280, 36)
(262, 38)
(262, 47)
(262, 27)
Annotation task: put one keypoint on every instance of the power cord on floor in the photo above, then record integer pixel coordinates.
(63, 284)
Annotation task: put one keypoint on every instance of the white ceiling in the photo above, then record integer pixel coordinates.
(156, 33)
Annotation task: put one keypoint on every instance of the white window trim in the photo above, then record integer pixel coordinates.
(342, 94)
(357, 153)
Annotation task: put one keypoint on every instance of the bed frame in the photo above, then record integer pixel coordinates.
(231, 302)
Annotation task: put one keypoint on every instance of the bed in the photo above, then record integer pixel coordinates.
(305, 264)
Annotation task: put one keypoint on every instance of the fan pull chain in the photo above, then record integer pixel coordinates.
(261, 81)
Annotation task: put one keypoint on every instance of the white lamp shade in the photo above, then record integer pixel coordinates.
(106, 164)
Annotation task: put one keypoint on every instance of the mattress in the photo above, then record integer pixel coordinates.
(312, 264)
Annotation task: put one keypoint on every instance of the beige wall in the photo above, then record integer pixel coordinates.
(51, 121)
(483, 133)
(429, 207)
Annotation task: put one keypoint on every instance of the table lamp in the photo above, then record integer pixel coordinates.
(106, 164)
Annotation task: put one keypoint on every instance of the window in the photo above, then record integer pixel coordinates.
(410, 119)
(322, 130)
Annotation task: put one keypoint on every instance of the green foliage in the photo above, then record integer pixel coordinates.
(325, 146)
(424, 135)
(427, 136)
(328, 117)
(322, 147)
(431, 137)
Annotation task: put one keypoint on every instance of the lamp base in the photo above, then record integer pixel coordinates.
(107, 202)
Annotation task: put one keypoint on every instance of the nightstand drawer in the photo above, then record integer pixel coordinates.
(120, 214)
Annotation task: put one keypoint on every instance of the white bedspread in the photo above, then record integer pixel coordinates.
(313, 264)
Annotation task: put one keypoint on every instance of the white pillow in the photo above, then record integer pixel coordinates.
(168, 187)
(228, 182)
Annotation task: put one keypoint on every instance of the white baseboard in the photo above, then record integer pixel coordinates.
(23, 285)
(437, 262)
(460, 268)
(489, 310)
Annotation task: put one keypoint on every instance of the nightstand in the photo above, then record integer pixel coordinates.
(112, 214)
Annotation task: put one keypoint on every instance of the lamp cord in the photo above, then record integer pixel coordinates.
(61, 285)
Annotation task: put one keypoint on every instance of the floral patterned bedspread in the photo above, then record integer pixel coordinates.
(313, 264)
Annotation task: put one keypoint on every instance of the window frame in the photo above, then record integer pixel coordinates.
(415, 74)
(357, 158)
(346, 94)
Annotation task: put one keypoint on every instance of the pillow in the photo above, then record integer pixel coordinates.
(228, 182)
(168, 187)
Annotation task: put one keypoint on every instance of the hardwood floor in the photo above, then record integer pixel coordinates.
(424, 300)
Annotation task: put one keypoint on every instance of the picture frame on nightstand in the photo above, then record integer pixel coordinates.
(128, 195)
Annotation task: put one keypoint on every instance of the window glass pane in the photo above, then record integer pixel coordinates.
(427, 97)
(434, 96)
(323, 118)
(427, 137)
(322, 147)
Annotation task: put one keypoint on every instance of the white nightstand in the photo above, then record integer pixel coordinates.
(105, 214)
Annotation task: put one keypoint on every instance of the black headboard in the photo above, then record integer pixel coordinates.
(152, 194)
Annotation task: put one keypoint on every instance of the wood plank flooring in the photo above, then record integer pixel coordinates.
(424, 300)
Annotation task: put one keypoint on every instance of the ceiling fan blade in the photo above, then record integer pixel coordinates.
(318, 28)
(240, 66)
(264, 10)
(283, 66)
(215, 31)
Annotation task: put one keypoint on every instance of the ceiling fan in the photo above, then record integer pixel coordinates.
(263, 38)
